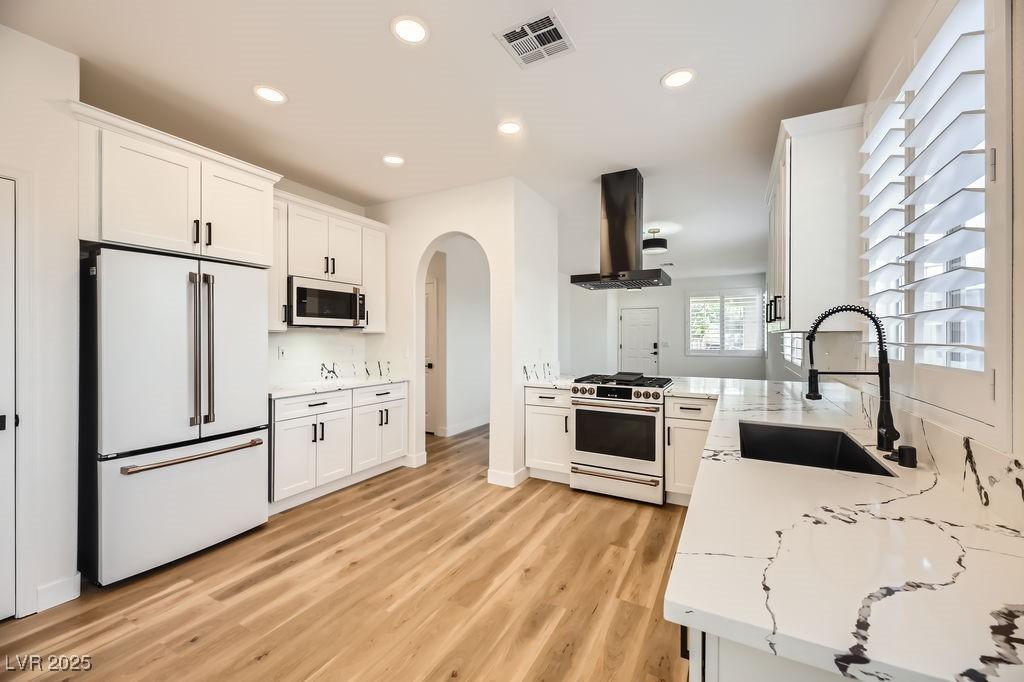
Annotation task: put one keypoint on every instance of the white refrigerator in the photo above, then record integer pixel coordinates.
(174, 408)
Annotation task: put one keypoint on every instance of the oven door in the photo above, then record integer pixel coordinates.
(619, 435)
(314, 303)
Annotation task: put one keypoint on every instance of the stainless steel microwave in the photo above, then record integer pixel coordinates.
(316, 303)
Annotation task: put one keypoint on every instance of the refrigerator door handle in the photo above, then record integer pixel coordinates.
(197, 383)
(211, 416)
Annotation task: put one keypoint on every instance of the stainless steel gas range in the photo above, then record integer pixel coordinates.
(618, 424)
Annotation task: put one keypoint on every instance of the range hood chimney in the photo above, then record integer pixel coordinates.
(622, 237)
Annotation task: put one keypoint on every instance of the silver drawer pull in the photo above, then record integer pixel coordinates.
(616, 406)
(138, 469)
(642, 481)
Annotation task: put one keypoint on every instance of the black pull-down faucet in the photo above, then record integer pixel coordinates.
(887, 433)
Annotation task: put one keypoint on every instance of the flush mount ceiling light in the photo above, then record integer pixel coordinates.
(510, 127)
(677, 78)
(393, 160)
(655, 244)
(269, 94)
(409, 30)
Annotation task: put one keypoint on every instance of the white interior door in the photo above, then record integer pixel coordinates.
(6, 398)
(638, 340)
(431, 357)
(147, 350)
(234, 359)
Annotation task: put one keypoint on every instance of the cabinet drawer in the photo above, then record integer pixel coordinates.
(379, 394)
(690, 408)
(307, 405)
(548, 397)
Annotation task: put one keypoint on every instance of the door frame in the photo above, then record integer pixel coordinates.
(657, 333)
(441, 351)
(26, 597)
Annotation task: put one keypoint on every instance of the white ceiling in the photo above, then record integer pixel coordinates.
(188, 67)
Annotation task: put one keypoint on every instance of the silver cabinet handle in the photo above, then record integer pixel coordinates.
(643, 481)
(139, 468)
(635, 408)
(211, 416)
(197, 360)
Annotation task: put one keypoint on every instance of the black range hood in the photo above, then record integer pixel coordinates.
(622, 237)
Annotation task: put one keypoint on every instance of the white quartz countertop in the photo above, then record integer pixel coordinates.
(313, 387)
(562, 382)
(869, 577)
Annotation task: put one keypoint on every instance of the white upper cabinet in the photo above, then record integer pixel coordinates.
(375, 279)
(149, 194)
(238, 219)
(345, 247)
(307, 243)
(277, 276)
(142, 187)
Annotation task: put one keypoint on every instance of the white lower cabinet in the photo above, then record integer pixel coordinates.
(548, 438)
(393, 433)
(366, 426)
(716, 659)
(334, 447)
(295, 442)
(684, 445)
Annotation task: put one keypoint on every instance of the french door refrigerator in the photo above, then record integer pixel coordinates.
(174, 408)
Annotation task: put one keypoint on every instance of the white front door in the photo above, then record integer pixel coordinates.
(638, 340)
(6, 398)
(431, 357)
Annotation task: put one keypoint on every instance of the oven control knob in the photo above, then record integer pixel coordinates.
(636, 394)
(656, 395)
(575, 389)
(647, 394)
(590, 391)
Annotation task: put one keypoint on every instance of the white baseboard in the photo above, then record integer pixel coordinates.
(416, 461)
(334, 486)
(682, 499)
(59, 591)
(506, 479)
(449, 430)
(554, 476)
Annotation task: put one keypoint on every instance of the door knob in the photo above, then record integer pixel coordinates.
(430, 365)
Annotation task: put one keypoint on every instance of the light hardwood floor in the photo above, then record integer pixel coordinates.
(423, 573)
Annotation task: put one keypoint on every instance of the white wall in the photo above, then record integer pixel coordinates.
(39, 143)
(487, 213)
(467, 320)
(589, 319)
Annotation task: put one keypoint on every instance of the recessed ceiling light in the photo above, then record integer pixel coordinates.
(510, 127)
(393, 160)
(677, 78)
(409, 30)
(269, 94)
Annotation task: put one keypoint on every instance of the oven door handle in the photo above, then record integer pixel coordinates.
(634, 408)
(642, 481)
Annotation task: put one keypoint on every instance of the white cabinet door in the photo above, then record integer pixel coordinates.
(6, 399)
(548, 442)
(295, 445)
(367, 422)
(149, 194)
(393, 433)
(334, 449)
(346, 251)
(234, 357)
(277, 276)
(375, 280)
(684, 444)
(307, 243)
(147, 345)
(238, 218)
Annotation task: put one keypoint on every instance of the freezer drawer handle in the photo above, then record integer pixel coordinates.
(197, 382)
(138, 469)
(616, 406)
(645, 481)
(211, 417)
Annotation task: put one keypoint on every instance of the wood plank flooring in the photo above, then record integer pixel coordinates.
(426, 573)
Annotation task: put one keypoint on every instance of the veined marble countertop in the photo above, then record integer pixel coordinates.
(562, 382)
(313, 387)
(869, 577)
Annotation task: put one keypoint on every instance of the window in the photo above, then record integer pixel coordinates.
(726, 322)
(936, 222)
(793, 348)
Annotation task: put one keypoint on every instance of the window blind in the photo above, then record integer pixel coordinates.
(924, 203)
(726, 322)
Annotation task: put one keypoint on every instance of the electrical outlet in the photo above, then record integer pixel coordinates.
(280, 353)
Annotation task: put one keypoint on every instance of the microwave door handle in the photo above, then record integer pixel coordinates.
(211, 416)
(197, 360)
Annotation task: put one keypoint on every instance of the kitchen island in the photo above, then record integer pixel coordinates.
(796, 573)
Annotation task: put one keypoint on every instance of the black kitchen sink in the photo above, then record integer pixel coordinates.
(822, 448)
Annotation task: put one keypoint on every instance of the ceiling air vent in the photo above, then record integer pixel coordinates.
(536, 40)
